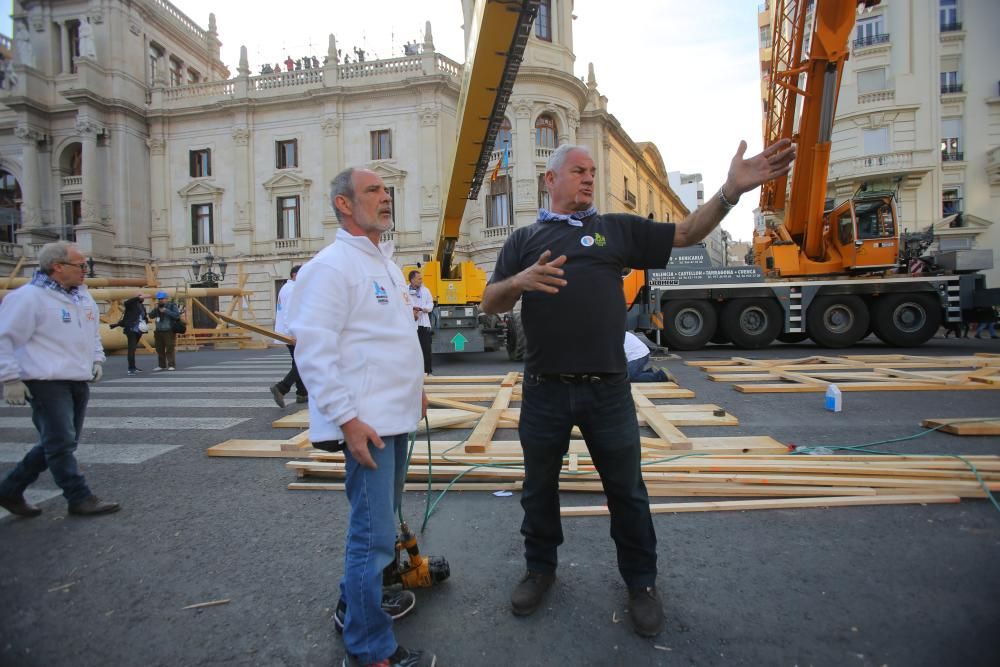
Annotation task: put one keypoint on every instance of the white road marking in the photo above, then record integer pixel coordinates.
(161, 403)
(146, 423)
(12, 452)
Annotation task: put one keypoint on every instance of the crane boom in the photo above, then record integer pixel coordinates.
(498, 37)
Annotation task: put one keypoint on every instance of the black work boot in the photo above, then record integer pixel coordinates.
(19, 506)
(645, 610)
(529, 592)
(279, 396)
(92, 506)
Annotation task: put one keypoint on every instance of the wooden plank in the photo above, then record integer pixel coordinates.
(263, 331)
(779, 503)
(965, 426)
(510, 379)
(479, 439)
(298, 442)
(657, 421)
(459, 405)
(256, 449)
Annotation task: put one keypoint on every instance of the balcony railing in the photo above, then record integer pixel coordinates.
(497, 232)
(11, 250)
(286, 244)
(543, 153)
(871, 40)
(388, 236)
(951, 88)
(630, 200)
(951, 27)
(72, 181)
(952, 156)
(877, 96)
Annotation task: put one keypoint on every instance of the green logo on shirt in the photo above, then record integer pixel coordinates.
(600, 240)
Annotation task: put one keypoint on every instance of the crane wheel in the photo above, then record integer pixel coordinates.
(751, 323)
(837, 320)
(688, 324)
(906, 320)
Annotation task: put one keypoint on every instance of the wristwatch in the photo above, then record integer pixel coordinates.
(726, 204)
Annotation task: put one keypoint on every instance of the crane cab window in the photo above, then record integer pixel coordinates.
(874, 220)
(845, 228)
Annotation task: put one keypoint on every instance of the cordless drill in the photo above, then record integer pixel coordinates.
(409, 568)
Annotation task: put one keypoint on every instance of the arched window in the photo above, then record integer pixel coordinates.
(545, 132)
(503, 136)
(71, 160)
(10, 205)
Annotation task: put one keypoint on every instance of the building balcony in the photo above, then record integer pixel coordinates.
(497, 232)
(286, 244)
(387, 236)
(951, 27)
(10, 250)
(871, 40)
(993, 166)
(630, 199)
(542, 154)
(877, 96)
(949, 88)
(910, 164)
(952, 156)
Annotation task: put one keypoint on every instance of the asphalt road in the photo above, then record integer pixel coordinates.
(896, 586)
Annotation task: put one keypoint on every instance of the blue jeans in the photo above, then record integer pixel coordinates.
(606, 416)
(375, 497)
(637, 371)
(57, 410)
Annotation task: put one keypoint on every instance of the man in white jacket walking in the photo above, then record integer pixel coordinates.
(355, 350)
(279, 389)
(50, 348)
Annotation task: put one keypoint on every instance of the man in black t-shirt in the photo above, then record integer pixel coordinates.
(573, 310)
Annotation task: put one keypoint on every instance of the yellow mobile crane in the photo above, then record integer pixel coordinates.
(497, 39)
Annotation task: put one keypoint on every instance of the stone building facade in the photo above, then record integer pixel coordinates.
(132, 138)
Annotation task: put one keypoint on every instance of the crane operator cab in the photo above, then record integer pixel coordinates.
(865, 233)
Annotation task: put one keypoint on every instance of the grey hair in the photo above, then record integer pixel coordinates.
(342, 185)
(558, 156)
(54, 253)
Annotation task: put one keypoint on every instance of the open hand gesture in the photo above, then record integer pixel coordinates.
(745, 175)
(544, 275)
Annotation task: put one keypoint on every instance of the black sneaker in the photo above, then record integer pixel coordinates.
(403, 657)
(529, 592)
(279, 396)
(395, 603)
(645, 610)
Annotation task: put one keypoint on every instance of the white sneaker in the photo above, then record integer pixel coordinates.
(171, 368)
(158, 369)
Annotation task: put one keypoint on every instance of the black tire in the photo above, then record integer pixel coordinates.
(906, 320)
(515, 338)
(837, 320)
(792, 338)
(688, 324)
(720, 337)
(751, 323)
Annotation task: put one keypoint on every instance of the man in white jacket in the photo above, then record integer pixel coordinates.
(423, 305)
(355, 350)
(279, 389)
(50, 348)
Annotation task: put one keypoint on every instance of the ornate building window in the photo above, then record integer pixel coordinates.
(176, 72)
(392, 198)
(72, 214)
(155, 54)
(543, 21)
(286, 154)
(10, 206)
(544, 199)
(545, 132)
(503, 136)
(288, 217)
(381, 145)
(201, 224)
(73, 37)
(499, 203)
(200, 162)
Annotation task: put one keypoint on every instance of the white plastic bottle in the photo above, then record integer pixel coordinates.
(833, 398)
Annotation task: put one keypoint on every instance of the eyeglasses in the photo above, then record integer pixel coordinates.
(82, 265)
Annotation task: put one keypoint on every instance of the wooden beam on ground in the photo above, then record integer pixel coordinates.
(966, 426)
(775, 504)
(267, 333)
(479, 440)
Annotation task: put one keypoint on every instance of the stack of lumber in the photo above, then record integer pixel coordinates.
(881, 372)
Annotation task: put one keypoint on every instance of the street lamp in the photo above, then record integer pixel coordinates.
(208, 275)
(90, 268)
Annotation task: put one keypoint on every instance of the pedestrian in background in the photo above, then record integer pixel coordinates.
(50, 348)
(134, 323)
(353, 327)
(166, 314)
(422, 303)
(279, 389)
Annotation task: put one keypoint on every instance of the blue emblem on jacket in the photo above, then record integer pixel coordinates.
(380, 294)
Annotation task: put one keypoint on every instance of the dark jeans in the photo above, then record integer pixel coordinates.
(165, 341)
(133, 342)
(606, 416)
(638, 371)
(292, 378)
(57, 409)
(424, 334)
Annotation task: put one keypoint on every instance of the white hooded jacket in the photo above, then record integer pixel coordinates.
(356, 348)
(45, 335)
